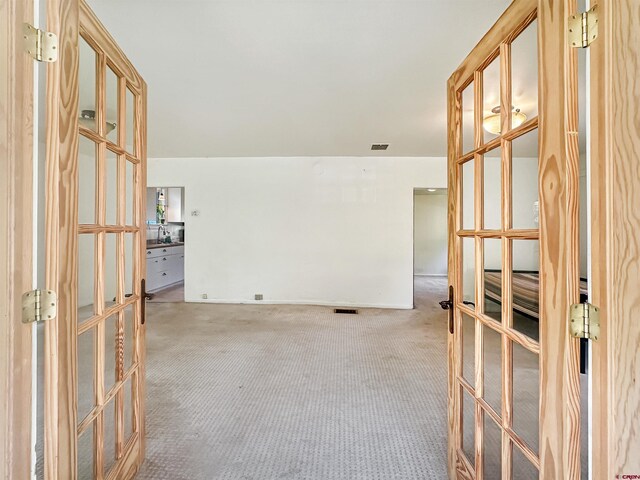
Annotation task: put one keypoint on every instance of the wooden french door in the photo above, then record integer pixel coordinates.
(514, 391)
(94, 365)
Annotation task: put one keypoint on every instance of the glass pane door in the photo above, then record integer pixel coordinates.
(499, 252)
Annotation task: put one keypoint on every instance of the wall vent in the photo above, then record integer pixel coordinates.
(347, 311)
(379, 146)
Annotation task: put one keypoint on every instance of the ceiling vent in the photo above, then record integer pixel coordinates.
(379, 146)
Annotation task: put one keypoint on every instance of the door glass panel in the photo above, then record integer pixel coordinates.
(468, 427)
(110, 354)
(109, 426)
(491, 100)
(111, 188)
(523, 469)
(525, 287)
(492, 356)
(86, 276)
(526, 395)
(524, 175)
(129, 192)
(524, 71)
(85, 454)
(468, 348)
(492, 190)
(468, 96)
(468, 270)
(128, 263)
(110, 269)
(87, 191)
(468, 188)
(493, 278)
(129, 336)
(85, 365)
(127, 410)
(110, 128)
(130, 122)
(87, 85)
(492, 453)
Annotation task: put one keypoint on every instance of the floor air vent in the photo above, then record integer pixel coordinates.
(347, 311)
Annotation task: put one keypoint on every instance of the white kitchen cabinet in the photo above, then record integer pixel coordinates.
(165, 266)
(174, 205)
(151, 205)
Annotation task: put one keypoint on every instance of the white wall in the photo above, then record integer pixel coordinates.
(316, 230)
(430, 235)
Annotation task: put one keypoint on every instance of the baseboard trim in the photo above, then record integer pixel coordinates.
(310, 303)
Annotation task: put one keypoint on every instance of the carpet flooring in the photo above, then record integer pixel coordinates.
(261, 392)
(172, 294)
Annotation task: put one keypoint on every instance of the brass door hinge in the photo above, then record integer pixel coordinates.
(41, 45)
(583, 28)
(585, 321)
(39, 305)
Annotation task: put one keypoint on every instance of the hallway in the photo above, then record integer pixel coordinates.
(269, 391)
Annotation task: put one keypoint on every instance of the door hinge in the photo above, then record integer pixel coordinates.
(39, 305)
(583, 28)
(39, 44)
(585, 321)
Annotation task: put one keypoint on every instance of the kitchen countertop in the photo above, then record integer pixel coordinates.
(160, 245)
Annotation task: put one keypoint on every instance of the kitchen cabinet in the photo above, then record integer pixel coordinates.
(173, 204)
(165, 266)
(151, 205)
(175, 207)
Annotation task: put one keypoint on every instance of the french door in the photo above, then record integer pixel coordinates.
(514, 390)
(96, 171)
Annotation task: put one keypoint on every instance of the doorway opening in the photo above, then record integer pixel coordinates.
(429, 238)
(165, 244)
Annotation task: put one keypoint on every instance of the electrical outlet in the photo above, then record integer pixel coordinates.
(258, 296)
(204, 296)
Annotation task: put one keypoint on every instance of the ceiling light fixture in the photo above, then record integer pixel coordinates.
(431, 189)
(88, 120)
(492, 123)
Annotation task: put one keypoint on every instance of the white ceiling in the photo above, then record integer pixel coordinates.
(297, 77)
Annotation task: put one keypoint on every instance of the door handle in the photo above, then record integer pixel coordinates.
(448, 305)
(144, 296)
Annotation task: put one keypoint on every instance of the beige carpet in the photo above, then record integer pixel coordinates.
(267, 392)
(297, 392)
(171, 294)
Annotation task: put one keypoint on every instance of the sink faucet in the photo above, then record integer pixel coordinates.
(164, 232)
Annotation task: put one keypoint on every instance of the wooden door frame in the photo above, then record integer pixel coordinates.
(16, 238)
(60, 232)
(559, 453)
(65, 18)
(615, 242)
